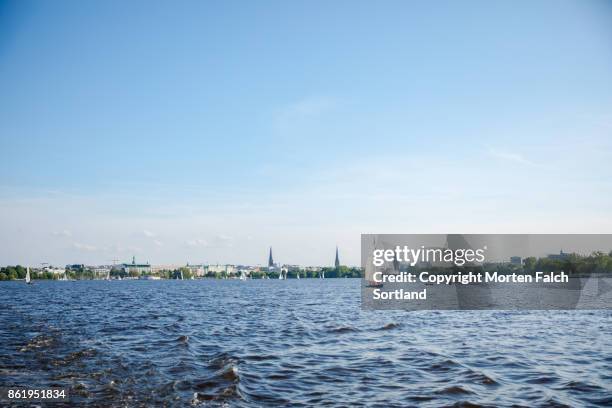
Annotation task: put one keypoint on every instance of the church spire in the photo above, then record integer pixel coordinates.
(270, 260)
(337, 262)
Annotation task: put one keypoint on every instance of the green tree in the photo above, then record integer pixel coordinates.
(530, 264)
(21, 272)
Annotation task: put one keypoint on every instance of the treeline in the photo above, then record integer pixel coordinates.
(340, 272)
(12, 272)
(596, 262)
(164, 274)
(19, 272)
(328, 272)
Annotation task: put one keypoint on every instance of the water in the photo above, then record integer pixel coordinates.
(291, 343)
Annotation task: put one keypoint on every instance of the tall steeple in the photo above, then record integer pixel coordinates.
(270, 260)
(337, 262)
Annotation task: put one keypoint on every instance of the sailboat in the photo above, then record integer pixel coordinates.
(298, 275)
(28, 280)
(243, 275)
(108, 275)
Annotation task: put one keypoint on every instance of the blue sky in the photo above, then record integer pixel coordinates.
(207, 131)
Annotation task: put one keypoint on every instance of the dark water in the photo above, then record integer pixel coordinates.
(291, 343)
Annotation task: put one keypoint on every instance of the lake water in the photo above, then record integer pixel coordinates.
(292, 343)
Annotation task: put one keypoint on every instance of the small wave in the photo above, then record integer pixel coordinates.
(552, 402)
(222, 384)
(467, 404)
(488, 380)
(481, 378)
(581, 387)
(542, 380)
(261, 357)
(605, 401)
(276, 377)
(444, 366)
(389, 326)
(421, 398)
(454, 390)
(228, 373)
(226, 393)
(74, 357)
(343, 329)
(38, 342)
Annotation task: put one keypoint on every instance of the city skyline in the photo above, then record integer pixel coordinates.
(208, 132)
(132, 260)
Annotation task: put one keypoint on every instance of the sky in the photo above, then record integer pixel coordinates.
(209, 131)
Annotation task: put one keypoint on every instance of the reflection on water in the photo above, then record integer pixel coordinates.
(298, 343)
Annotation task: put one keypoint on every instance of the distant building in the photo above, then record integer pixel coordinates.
(271, 265)
(100, 270)
(516, 260)
(337, 261)
(227, 269)
(196, 270)
(562, 256)
(54, 270)
(75, 267)
(165, 267)
(134, 268)
(270, 259)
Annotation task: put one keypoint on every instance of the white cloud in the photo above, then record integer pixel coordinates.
(218, 241)
(84, 247)
(148, 234)
(511, 156)
(158, 243)
(63, 233)
(194, 243)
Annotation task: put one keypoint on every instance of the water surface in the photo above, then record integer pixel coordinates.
(292, 343)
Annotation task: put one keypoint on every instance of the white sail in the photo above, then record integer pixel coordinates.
(108, 275)
(27, 277)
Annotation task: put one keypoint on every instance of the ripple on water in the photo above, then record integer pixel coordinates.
(307, 343)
